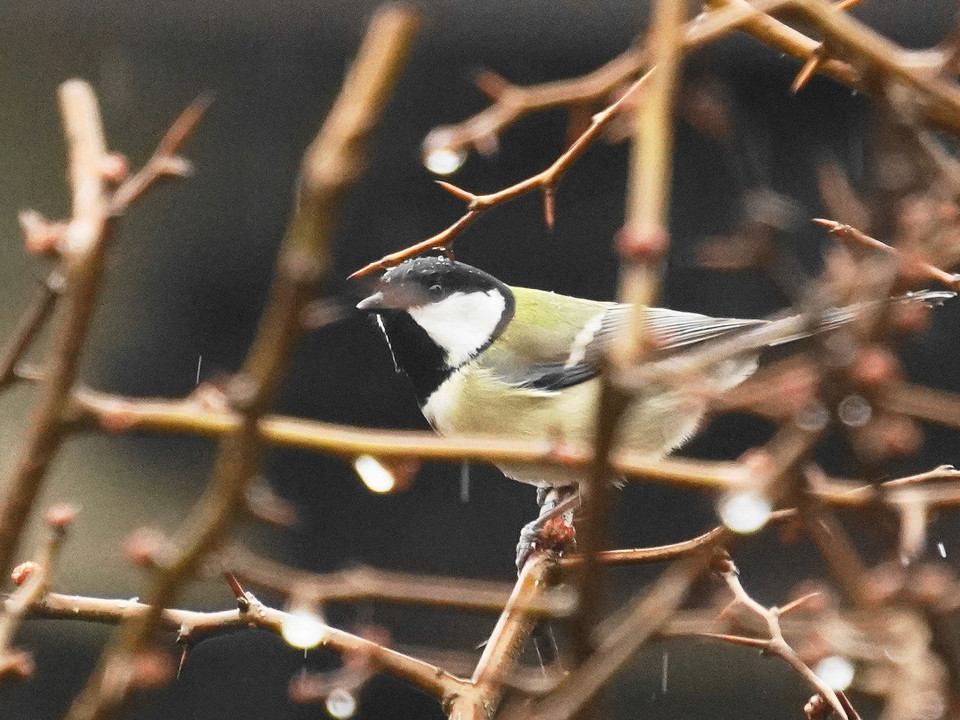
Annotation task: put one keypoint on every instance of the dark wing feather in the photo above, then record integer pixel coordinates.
(669, 329)
(552, 377)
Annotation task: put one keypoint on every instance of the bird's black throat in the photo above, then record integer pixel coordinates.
(415, 354)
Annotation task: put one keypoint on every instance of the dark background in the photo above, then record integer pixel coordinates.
(188, 272)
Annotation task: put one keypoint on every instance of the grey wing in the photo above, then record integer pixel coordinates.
(669, 329)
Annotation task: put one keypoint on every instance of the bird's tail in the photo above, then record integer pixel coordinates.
(835, 317)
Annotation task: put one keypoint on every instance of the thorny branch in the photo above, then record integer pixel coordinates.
(193, 627)
(545, 181)
(775, 644)
(331, 165)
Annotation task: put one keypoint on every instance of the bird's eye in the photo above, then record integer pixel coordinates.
(435, 291)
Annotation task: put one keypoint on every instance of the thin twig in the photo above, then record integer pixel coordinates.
(33, 586)
(775, 644)
(942, 98)
(911, 266)
(545, 181)
(164, 162)
(374, 584)
(29, 325)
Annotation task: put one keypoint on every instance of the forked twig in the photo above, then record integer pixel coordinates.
(775, 643)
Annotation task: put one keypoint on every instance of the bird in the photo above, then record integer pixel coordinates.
(486, 358)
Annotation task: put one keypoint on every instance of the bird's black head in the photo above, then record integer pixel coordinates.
(437, 315)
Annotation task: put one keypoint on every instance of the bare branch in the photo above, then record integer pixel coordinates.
(331, 165)
(546, 180)
(82, 251)
(164, 162)
(621, 638)
(503, 648)
(201, 625)
(373, 584)
(775, 644)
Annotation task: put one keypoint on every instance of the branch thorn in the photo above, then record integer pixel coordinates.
(492, 84)
(467, 197)
(794, 604)
(243, 600)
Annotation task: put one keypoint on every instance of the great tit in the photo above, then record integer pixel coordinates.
(485, 358)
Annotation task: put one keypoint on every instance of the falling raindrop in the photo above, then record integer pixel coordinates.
(465, 482)
(942, 549)
(663, 672)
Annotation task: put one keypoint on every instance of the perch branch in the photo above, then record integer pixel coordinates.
(715, 537)
(620, 639)
(505, 644)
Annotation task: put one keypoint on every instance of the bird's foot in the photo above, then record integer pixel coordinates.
(553, 529)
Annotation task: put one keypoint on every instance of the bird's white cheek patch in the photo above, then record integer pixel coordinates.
(462, 323)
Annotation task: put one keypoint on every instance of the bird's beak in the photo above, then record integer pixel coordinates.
(373, 303)
(391, 296)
